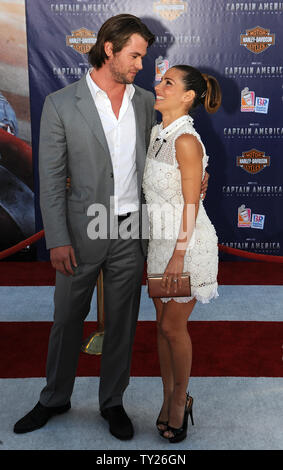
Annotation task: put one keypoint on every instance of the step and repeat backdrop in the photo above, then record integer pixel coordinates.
(241, 44)
(16, 166)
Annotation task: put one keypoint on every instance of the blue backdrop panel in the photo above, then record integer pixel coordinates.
(237, 42)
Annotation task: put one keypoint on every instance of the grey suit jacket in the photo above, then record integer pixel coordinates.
(72, 143)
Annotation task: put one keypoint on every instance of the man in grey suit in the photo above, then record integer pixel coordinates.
(96, 132)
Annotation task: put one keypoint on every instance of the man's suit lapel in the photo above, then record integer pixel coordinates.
(89, 111)
(140, 116)
(90, 114)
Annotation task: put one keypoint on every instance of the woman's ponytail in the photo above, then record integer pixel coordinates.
(206, 87)
(213, 95)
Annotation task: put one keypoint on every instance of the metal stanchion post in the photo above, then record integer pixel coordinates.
(93, 344)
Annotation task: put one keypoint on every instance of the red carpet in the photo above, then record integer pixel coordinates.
(40, 273)
(239, 349)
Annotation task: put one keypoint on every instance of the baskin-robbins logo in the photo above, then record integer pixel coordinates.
(257, 39)
(248, 220)
(252, 104)
(258, 221)
(170, 9)
(161, 66)
(81, 40)
(261, 105)
(253, 161)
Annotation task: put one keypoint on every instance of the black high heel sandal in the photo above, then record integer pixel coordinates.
(163, 423)
(179, 434)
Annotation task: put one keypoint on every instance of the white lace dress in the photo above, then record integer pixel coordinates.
(163, 193)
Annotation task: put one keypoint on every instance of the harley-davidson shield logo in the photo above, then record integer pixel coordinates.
(170, 9)
(257, 39)
(81, 40)
(253, 161)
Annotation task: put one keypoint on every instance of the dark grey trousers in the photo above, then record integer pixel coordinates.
(122, 278)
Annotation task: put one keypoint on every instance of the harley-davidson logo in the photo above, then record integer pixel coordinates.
(253, 161)
(257, 39)
(170, 9)
(81, 40)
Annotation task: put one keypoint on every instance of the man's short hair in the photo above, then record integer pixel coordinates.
(117, 30)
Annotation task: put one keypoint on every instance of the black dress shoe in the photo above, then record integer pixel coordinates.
(120, 424)
(38, 417)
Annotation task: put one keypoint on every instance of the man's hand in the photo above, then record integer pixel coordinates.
(204, 185)
(62, 258)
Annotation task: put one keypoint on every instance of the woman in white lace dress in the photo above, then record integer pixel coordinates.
(179, 241)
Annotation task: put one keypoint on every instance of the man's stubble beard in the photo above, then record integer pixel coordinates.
(118, 76)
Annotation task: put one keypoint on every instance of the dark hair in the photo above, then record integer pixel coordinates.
(206, 87)
(118, 30)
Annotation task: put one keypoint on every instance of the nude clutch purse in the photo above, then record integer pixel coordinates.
(155, 288)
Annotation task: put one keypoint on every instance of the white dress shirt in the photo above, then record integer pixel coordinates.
(121, 139)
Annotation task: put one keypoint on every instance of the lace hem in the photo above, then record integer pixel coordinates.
(201, 298)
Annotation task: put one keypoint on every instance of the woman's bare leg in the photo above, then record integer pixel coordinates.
(166, 366)
(174, 328)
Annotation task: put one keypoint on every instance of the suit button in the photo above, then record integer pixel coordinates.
(111, 174)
